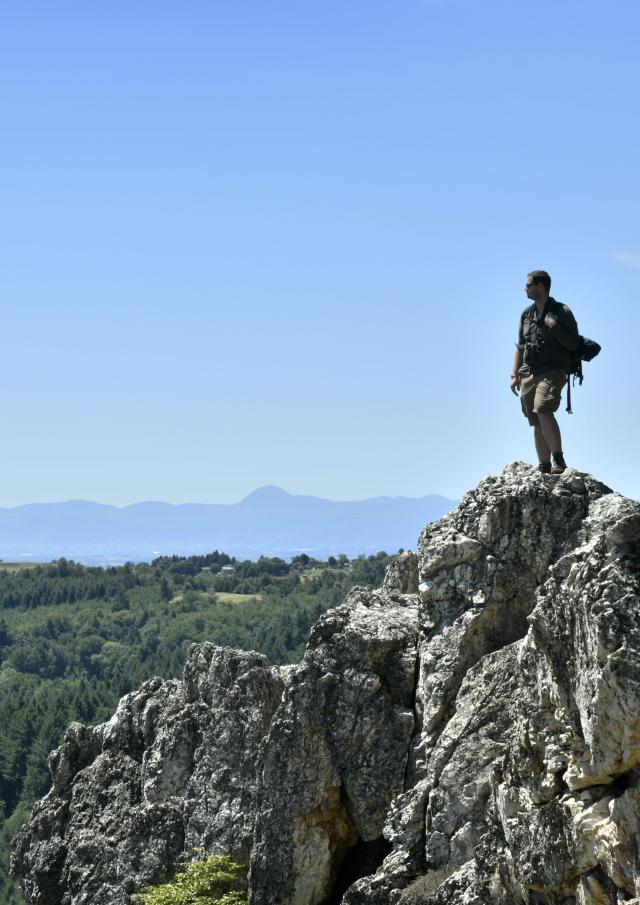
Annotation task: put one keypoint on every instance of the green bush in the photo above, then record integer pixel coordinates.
(215, 881)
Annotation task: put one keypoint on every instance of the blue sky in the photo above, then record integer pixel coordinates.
(248, 243)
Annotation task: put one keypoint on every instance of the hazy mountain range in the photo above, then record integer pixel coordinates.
(269, 522)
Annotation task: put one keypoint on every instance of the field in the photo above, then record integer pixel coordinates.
(19, 566)
(237, 598)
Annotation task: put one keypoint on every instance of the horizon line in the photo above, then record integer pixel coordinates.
(251, 493)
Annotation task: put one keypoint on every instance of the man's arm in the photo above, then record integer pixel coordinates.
(517, 362)
(565, 329)
(517, 358)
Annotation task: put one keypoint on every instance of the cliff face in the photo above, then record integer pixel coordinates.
(469, 734)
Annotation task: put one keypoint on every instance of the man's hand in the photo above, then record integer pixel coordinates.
(515, 385)
(551, 320)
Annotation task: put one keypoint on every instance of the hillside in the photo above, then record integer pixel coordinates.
(73, 639)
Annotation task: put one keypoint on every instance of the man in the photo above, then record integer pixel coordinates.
(547, 336)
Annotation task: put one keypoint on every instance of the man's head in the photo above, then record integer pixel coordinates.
(538, 285)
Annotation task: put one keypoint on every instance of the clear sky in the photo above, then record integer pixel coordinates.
(284, 242)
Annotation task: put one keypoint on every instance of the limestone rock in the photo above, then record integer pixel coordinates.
(172, 771)
(469, 734)
(337, 750)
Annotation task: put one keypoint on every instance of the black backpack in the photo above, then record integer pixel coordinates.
(586, 350)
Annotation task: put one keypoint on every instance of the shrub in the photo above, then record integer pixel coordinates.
(217, 880)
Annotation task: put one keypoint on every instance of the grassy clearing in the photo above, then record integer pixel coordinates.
(309, 574)
(236, 598)
(208, 597)
(19, 566)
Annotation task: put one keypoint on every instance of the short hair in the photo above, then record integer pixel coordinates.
(541, 276)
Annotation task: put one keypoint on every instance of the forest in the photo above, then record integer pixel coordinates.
(75, 638)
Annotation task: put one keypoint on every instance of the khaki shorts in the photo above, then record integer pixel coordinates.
(541, 394)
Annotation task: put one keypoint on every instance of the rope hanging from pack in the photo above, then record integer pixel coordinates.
(577, 373)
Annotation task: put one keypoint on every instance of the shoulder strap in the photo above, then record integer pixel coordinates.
(558, 308)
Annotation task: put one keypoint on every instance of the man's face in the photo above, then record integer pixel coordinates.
(532, 289)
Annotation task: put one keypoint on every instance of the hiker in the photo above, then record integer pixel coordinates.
(548, 335)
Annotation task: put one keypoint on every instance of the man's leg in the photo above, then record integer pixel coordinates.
(542, 447)
(527, 401)
(550, 433)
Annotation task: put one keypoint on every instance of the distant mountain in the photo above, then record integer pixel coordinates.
(269, 522)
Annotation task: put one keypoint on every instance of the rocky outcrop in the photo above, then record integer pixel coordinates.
(468, 734)
(173, 771)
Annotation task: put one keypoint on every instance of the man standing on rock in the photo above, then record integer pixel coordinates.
(547, 336)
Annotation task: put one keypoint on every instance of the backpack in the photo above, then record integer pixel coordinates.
(585, 351)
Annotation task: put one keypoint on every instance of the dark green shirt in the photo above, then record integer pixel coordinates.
(547, 349)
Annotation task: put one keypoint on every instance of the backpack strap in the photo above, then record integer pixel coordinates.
(569, 412)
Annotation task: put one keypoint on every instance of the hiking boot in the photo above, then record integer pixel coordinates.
(544, 467)
(559, 464)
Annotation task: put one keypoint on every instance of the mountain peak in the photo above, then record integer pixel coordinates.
(267, 493)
